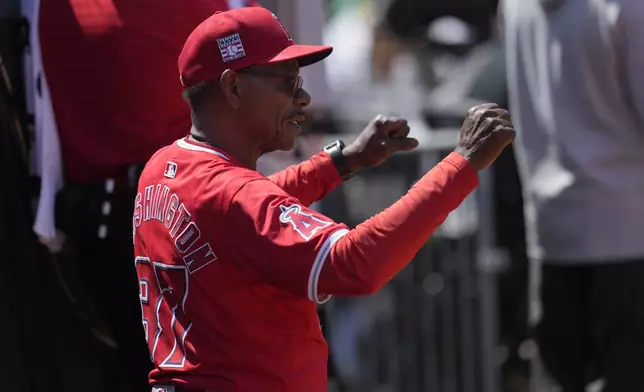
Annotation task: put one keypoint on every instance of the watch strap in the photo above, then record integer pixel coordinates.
(339, 160)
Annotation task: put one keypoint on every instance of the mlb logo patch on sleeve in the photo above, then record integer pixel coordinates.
(231, 47)
(170, 170)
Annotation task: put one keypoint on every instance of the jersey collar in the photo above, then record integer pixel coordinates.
(188, 144)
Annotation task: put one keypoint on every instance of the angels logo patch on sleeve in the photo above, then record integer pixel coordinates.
(304, 224)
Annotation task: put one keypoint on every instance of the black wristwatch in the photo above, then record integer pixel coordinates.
(335, 151)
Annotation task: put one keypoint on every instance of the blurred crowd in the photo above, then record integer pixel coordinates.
(533, 284)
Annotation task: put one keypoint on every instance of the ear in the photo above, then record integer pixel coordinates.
(232, 87)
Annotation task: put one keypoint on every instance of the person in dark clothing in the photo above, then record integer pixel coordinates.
(405, 22)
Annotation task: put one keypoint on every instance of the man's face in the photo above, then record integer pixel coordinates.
(273, 104)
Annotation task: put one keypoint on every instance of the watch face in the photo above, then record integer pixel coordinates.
(337, 143)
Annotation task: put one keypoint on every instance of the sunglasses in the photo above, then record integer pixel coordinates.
(290, 84)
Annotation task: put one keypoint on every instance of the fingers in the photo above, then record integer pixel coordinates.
(391, 126)
(400, 132)
(492, 123)
(507, 134)
(395, 130)
(497, 113)
(486, 131)
(488, 110)
(501, 122)
(481, 108)
(401, 144)
(491, 117)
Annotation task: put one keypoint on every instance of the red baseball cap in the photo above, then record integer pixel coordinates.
(237, 39)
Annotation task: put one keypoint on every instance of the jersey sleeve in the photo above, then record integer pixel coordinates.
(310, 180)
(279, 239)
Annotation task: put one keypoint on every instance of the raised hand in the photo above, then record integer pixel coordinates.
(382, 137)
(486, 131)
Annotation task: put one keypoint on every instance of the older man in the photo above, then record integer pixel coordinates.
(232, 264)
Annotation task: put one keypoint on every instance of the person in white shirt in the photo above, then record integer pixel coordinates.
(577, 97)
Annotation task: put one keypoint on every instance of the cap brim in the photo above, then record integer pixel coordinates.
(304, 54)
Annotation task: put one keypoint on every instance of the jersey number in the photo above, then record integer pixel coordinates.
(163, 291)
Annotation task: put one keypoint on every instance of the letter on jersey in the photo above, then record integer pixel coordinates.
(303, 223)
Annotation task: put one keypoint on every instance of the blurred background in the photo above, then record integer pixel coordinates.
(89, 91)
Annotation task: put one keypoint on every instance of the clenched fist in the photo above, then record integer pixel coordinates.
(382, 137)
(486, 131)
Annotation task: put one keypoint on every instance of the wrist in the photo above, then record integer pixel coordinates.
(352, 160)
(459, 161)
(345, 164)
(466, 156)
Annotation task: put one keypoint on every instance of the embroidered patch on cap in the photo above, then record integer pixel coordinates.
(231, 47)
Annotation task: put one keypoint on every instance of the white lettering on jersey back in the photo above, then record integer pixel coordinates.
(160, 202)
(149, 191)
(187, 238)
(156, 203)
(183, 217)
(138, 209)
(171, 210)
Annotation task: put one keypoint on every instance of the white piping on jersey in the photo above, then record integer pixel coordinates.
(187, 146)
(321, 257)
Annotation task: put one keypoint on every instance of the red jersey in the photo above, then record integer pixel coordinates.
(231, 263)
(111, 67)
(228, 262)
